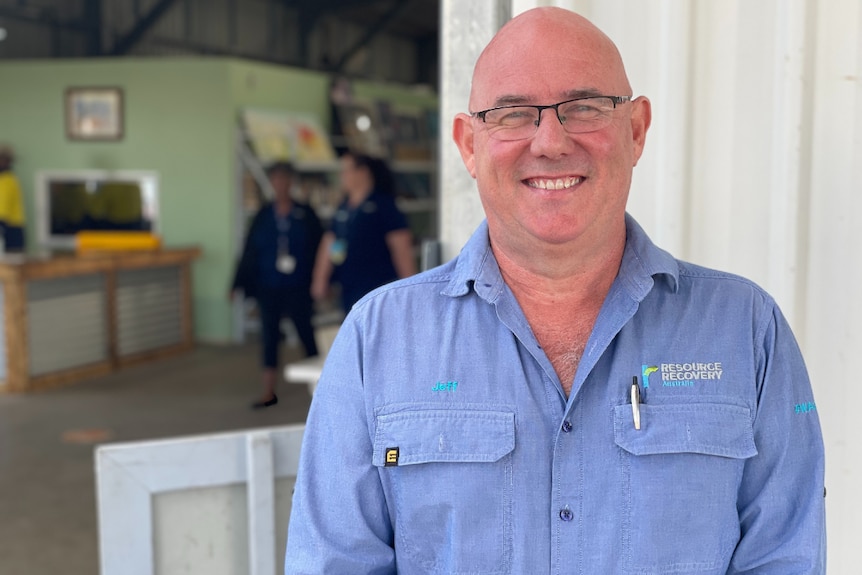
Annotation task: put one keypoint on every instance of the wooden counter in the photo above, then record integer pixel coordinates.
(68, 317)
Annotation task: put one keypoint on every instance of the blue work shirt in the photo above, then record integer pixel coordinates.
(441, 441)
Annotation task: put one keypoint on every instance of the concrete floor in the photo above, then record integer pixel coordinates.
(47, 484)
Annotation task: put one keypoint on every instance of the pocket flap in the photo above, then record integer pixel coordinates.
(437, 435)
(707, 428)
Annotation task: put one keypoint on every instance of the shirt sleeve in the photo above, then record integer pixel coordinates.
(315, 233)
(246, 274)
(781, 499)
(339, 521)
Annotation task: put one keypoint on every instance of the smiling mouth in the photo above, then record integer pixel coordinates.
(554, 183)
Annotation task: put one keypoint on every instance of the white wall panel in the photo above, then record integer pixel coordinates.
(790, 157)
(833, 310)
(466, 27)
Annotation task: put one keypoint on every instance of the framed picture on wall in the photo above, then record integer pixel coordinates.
(94, 114)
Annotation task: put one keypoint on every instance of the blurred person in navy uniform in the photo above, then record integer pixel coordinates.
(276, 270)
(369, 243)
(11, 203)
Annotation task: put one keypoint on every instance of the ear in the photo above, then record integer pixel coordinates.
(462, 133)
(641, 119)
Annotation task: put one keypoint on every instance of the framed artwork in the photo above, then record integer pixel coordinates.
(285, 136)
(94, 114)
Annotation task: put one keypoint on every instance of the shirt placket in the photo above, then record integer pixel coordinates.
(569, 484)
(566, 500)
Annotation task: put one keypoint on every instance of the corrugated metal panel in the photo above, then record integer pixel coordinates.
(30, 35)
(149, 309)
(67, 323)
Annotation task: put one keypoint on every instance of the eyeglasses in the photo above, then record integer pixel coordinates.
(577, 116)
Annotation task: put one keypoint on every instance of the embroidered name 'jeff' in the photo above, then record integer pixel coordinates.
(445, 386)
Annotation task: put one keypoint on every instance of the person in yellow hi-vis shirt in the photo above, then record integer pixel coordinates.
(11, 203)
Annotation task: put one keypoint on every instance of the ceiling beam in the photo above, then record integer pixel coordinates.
(336, 5)
(396, 8)
(329, 6)
(93, 17)
(204, 49)
(43, 19)
(150, 19)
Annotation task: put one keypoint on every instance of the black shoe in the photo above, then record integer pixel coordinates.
(263, 404)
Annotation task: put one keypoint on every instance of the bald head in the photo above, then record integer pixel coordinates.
(536, 41)
(556, 185)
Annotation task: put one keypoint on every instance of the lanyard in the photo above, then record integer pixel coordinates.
(282, 224)
(284, 262)
(344, 218)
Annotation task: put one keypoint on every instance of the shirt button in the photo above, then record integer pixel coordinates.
(567, 427)
(566, 514)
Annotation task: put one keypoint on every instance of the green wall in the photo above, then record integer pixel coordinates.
(175, 113)
(256, 85)
(180, 121)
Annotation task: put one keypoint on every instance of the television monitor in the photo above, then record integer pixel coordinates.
(68, 202)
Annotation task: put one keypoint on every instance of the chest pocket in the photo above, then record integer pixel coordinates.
(679, 475)
(448, 475)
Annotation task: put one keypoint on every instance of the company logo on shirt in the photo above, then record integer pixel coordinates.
(805, 407)
(682, 374)
(391, 457)
(646, 370)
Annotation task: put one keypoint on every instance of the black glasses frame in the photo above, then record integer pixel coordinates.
(617, 100)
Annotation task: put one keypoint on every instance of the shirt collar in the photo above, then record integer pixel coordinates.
(476, 268)
(642, 263)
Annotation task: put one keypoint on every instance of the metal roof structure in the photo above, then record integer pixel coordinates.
(339, 36)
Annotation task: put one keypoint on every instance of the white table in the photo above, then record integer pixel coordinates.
(306, 371)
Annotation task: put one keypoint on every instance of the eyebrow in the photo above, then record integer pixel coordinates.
(516, 99)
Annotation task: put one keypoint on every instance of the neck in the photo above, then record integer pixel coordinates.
(554, 275)
(576, 289)
(561, 291)
(356, 197)
(282, 206)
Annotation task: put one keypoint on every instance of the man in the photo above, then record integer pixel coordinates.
(564, 397)
(276, 269)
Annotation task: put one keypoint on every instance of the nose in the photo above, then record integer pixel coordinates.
(550, 139)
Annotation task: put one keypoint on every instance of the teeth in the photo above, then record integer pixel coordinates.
(558, 184)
